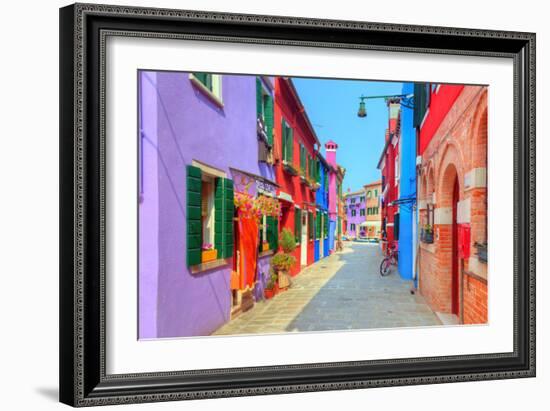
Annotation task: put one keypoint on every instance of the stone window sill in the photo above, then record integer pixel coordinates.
(266, 253)
(200, 268)
(209, 93)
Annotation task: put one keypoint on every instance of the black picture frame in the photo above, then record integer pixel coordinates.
(83, 381)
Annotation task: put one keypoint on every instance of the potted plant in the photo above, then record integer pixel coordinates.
(481, 251)
(271, 287)
(282, 262)
(427, 234)
(209, 253)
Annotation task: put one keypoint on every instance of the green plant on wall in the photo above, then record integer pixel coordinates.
(287, 241)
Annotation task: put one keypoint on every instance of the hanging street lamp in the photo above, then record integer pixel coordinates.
(362, 112)
(406, 100)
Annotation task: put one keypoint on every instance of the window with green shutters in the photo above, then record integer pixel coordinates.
(205, 79)
(318, 225)
(421, 102)
(272, 232)
(297, 225)
(224, 211)
(325, 225)
(287, 142)
(194, 222)
(317, 170)
(310, 226)
(223, 216)
(303, 161)
(264, 109)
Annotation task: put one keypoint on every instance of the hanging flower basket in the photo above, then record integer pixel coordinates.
(256, 207)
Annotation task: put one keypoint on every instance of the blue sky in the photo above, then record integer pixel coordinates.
(332, 108)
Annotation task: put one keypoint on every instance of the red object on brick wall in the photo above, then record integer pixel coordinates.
(464, 241)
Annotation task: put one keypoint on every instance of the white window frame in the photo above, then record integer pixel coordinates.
(209, 173)
(215, 95)
(264, 228)
(208, 228)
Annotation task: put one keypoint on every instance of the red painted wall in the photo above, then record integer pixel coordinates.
(441, 102)
(287, 106)
(388, 172)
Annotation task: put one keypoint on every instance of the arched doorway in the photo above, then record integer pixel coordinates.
(454, 255)
(449, 264)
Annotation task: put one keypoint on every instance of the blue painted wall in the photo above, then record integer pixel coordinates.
(407, 189)
(321, 199)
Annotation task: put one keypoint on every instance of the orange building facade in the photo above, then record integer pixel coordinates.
(373, 222)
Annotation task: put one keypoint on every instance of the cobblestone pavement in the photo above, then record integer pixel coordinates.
(343, 291)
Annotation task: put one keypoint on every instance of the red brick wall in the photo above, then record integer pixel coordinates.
(458, 147)
(434, 287)
(475, 300)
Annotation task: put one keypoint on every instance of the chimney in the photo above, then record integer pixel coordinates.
(330, 149)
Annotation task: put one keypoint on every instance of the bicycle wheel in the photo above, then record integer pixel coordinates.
(385, 267)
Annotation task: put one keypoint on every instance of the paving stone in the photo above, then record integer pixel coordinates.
(341, 292)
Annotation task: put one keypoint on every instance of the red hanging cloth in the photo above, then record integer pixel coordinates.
(248, 249)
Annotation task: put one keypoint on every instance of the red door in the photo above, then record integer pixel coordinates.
(454, 286)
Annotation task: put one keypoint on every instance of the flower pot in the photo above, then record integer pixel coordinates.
(284, 280)
(481, 252)
(265, 247)
(209, 255)
(269, 293)
(429, 238)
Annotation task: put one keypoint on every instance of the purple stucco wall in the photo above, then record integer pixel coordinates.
(187, 126)
(148, 227)
(358, 218)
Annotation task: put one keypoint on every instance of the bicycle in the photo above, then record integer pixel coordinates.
(390, 261)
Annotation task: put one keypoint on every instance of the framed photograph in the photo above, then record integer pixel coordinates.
(260, 204)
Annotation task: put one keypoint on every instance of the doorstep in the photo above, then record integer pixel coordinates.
(448, 319)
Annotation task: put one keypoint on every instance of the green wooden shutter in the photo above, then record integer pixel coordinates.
(268, 115)
(396, 226)
(420, 103)
(229, 211)
(291, 145)
(326, 224)
(272, 232)
(310, 223)
(194, 223)
(259, 99)
(297, 225)
(318, 227)
(218, 216)
(283, 140)
(224, 209)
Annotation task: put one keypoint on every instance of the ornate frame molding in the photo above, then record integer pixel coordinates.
(82, 297)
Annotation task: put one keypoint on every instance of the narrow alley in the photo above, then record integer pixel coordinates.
(343, 291)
